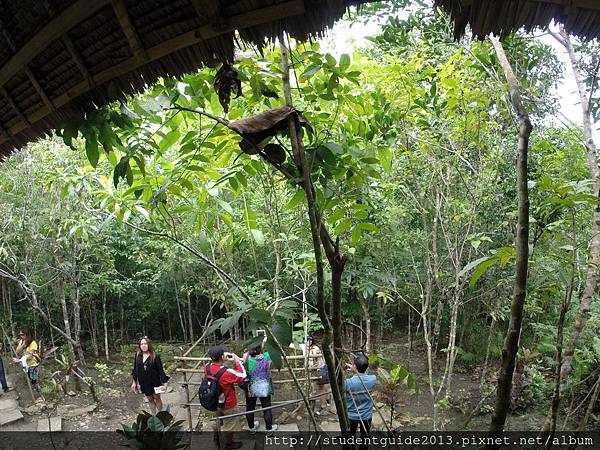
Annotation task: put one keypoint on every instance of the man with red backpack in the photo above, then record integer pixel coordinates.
(219, 384)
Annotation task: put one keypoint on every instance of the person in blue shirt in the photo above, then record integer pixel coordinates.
(359, 402)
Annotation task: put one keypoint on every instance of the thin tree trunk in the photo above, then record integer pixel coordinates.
(181, 320)
(487, 353)
(337, 262)
(591, 282)
(511, 343)
(550, 424)
(122, 314)
(437, 328)
(451, 353)
(65, 312)
(381, 323)
(106, 353)
(12, 322)
(51, 330)
(590, 408)
(365, 307)
(190, 318)
(77, 318)
(93, 322)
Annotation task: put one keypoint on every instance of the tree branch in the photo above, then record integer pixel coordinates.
(199, 255)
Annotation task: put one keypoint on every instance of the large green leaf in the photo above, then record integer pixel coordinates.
(260, 315)
(282, 330)
(155, 424)
(344, 62)
(91, 150)
(275, 354)
(298, 197)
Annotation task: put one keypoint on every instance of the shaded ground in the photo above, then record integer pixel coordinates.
(118, 405)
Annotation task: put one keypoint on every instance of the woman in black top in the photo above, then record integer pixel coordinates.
(148, 373)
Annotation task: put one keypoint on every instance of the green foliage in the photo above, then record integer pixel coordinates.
(411, 149)
(154, 432)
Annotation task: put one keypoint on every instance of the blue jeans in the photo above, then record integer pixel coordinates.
(3, 376)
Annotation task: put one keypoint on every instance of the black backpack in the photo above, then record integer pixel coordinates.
(210, 390)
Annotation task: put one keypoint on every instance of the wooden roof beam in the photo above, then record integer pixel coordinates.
(76, 57)
(24, 120)
(129, 30)
(280, 11)
(4, 132)
(585, 4)
(73, 15)
(39, 89)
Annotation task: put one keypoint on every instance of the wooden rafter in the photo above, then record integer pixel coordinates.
(24, 120)
(4, 132)
(7, 36)
(280, 11)
(39, 89)
(206, 9)
(586, 4)
(128, 29)
(73, 15)
(76, 57)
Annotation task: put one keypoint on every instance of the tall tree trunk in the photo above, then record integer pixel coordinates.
(13, 329)
(381, 323)
(365, 307)
(65, 312)
(437, 328)
(122, 315)
(588, 412)
(106, 354)
(591, 281)
(451, 350)
(190, 318)
(511, 342)
(320, 236)
(487, 353)
(550, 424)
(93, 326)
(77, 318)
(181, 320)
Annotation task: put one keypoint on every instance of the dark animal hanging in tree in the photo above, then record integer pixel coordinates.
(227, 83)
(259, 129)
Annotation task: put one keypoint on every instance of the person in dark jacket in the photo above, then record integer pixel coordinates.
(3, 377)
(148, 373)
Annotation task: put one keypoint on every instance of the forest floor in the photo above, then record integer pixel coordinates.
(118, 405)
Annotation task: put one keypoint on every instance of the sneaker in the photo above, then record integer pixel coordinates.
(274, 427)
(321, 412)
(254, 429)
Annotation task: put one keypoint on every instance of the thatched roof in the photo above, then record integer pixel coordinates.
(60, 56)
(580, 17)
